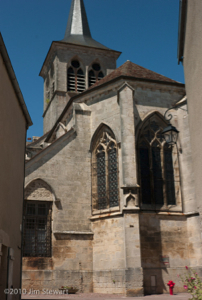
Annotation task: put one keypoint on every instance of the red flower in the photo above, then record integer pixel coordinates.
(186, 267)
(185, 286)
(195, 287)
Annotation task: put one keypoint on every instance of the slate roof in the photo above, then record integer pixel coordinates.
(130, 69)
(78, 31)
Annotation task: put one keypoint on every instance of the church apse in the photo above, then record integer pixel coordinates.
(119, 223)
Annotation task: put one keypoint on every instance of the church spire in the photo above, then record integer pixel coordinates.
(77, 21)
(77, 30)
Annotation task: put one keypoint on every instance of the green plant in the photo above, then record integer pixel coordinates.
(47, 101)
(113, 281)
(192, 283)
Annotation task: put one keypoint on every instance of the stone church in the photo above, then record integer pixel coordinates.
(109, 206)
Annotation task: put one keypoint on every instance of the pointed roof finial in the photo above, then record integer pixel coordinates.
(78, 31)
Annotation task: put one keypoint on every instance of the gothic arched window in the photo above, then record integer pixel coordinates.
(95, 74)
(158, 165)
(105, 190)
(75, 78)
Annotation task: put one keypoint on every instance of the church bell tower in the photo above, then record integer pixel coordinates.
(73, 64)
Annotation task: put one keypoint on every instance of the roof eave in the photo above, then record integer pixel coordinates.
(181, 29)
(14, 81)
(118, 53)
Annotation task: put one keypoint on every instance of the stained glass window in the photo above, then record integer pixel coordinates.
(157, 173)
(101, 180)
(145, 173)
(157, 176)
(169, 174)
(105, 171)
(113, 176)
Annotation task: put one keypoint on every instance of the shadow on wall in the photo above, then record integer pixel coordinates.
(164, 251)
(151, 253)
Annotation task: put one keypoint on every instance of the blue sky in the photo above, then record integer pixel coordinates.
(145, 31)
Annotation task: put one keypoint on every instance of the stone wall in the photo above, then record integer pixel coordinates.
(190, 207)
(70, 265)
(164, 249)
(54, 110)
(62, 60)
(65, 166)
(116, 250)
(108, 255)
(134, 272)
(193, 72)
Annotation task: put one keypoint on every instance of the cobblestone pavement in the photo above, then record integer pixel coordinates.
(181, 296)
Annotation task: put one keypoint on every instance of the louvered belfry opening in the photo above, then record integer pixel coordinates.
(75, 78)
(158, 166)
(80, 81)
(37, 229)
(95, 74)
(105, 191)
(71, 86)
(91, 78)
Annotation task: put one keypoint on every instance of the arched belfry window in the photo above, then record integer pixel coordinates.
(75, 77)
(105, 191)
(95, 74)
(158, 165)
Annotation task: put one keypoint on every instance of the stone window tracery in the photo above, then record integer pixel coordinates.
(75, 77)
(158, 166)
(95, 74)
(105, 190)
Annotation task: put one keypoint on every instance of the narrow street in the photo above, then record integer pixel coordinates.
(181, 296)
